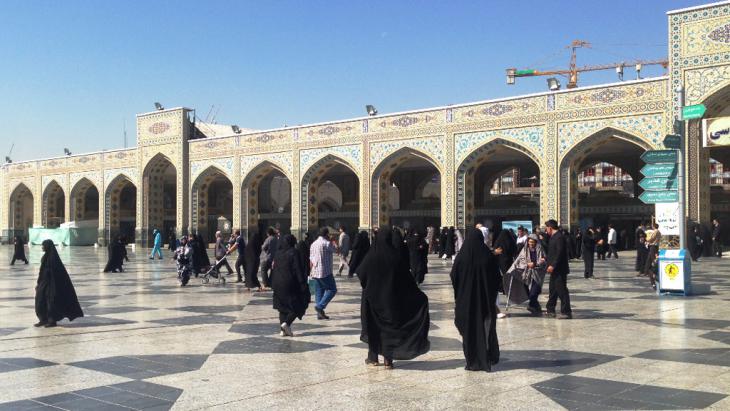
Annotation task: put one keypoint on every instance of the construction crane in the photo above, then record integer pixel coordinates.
(572, 72)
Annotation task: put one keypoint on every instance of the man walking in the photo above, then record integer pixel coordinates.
(239, 244)
(612, 241)
(557, 262)
(716, 238)
(268, 250)
(343, 250)
(320, 259)
(156, 244)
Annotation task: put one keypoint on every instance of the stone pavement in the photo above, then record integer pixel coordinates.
(146, 343)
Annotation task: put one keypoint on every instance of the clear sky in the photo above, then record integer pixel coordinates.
(73, 72)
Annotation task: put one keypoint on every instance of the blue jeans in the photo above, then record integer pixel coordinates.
(156, 250)
(325, 289)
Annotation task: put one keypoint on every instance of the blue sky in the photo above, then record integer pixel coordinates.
(74, 71)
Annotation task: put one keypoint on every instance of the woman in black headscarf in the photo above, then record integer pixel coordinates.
(251, 258)
(203, 252)
(19, 252)
(508, 244)
(418, 255)
(303, 248)
(400, 245)
(360, 248)
(55, 296)
(450, 242)
(393, 311)
(443, 236)
(474, 277)
(289, 283)
(117, 254)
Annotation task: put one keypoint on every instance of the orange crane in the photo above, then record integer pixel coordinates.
(572, 72)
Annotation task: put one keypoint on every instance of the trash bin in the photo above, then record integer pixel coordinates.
(675, 272)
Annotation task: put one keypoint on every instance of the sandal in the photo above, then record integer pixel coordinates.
(388, 364)
(372, 363)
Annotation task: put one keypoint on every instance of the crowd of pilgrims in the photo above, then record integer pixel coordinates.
(390, 264)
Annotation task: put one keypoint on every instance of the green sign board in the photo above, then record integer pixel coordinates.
(654, 197)
(659, 170)
(527, 72)
(658, 183)
(693, 112)
(659, 156)
(673, 141)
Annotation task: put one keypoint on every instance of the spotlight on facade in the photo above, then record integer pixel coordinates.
(67, 151)
(8, 160)
(638, 71)
(159, 106)
(620, 72)
(236, 129)
(371, 110)
(553, 84)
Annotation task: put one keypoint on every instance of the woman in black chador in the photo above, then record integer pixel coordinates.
(289, 283)
(474, 277)
(117, 254)
(19, 253)
(443, 237)
(418, 255)
(55, 297)
(393, 311)
(303, 248)
(251, 259)
(360, 248)
(400, 245)
(450, 242)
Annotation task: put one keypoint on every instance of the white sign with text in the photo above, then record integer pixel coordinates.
(667, 217)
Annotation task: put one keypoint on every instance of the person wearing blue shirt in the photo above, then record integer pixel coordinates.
(157, 245)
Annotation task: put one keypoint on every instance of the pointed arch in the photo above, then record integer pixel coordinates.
(212, 203)
(315, 175)
(84, 196)
(120, 207)
(53, 205)
(159, 197)
(20, 210)
(266, 208)
(498, 153)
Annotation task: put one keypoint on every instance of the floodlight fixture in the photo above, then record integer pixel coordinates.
(8, 160)
(66, 151)
(371, 110)
(236, 129)
(158, 106)
(638, 71)
(553, 84)
(620, 72)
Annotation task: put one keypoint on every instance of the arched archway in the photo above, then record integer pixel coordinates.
(212, 204)
(406, 190)
(266, 199)
(159, 206)
(20, 212)
(54, 205)
(85, 203)
(120, 208)
(319, 201)
(498, 181)
(618, 203)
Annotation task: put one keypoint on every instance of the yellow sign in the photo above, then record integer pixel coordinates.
(671, 270)
(716, 131)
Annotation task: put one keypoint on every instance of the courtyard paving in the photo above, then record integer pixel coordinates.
(146, 343)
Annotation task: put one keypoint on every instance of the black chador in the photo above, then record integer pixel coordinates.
(19, 252)
(450, 242)
(393, 311)
(475, 278)
(418, 256)
(360, 248)
(117, 255)
(55, 297)
(289, 283)
(251, 259)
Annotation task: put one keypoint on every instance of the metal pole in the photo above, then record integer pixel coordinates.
(680, 129)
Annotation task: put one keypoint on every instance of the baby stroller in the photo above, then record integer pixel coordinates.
(215, 271)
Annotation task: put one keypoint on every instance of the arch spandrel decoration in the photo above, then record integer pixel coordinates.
(350, 154)
(60, 179)
(28, 182)
(93, 176)
(432, 147)
(224, 165)
(529, 139)
(310, 182)
(649, 128)
(282, 160)
(706, 36)
(701, 84)
(131, 173)
(468, 163)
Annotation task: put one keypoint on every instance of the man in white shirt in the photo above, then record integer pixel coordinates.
(521, 237)
(612, 241)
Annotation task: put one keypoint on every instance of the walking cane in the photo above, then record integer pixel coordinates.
(509, 292)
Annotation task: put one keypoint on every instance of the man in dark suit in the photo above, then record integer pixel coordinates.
(557, 262)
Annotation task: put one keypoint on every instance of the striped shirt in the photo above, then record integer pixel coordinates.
(320, 255)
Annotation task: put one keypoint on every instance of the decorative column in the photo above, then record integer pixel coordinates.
(697, 169)
(448, 184)
(237, 223)
(297, 225)
(365, 223)
(554, 203)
